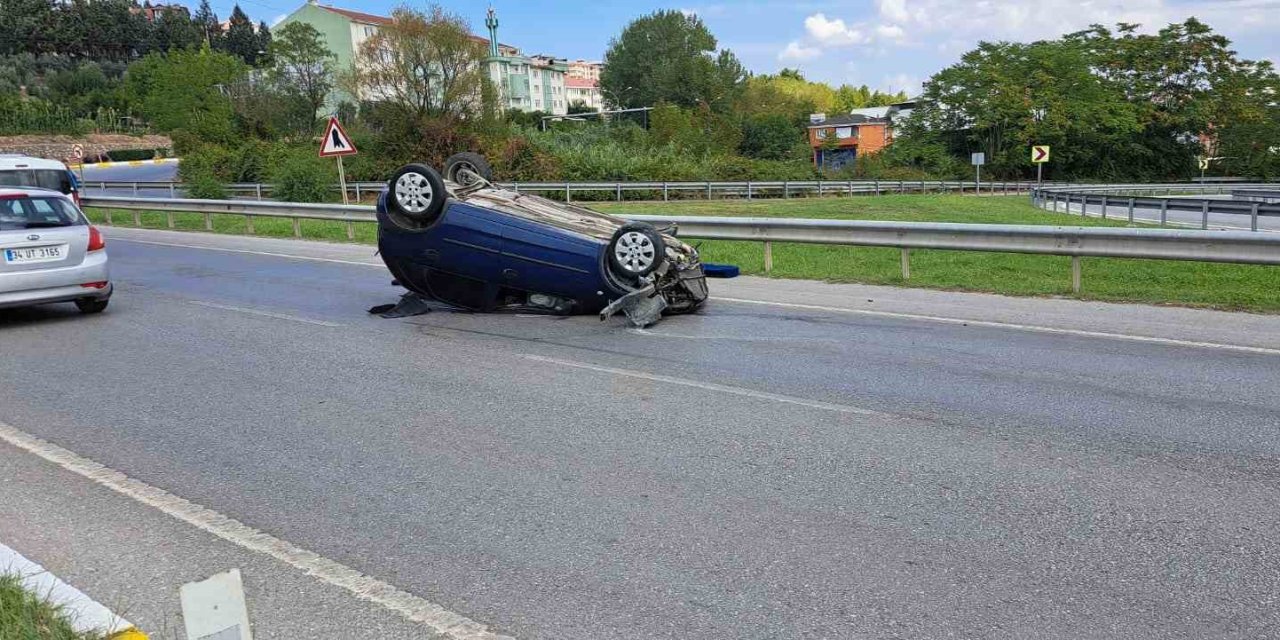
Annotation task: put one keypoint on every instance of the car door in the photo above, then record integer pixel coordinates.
(542, 258)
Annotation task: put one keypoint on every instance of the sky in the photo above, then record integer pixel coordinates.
(886, 44)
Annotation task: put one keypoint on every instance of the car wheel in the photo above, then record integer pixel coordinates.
(92, 305)
(636, 250)
(416, 192)
(463, 168)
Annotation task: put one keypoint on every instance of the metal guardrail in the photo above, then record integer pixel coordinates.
(1077, 242)
(1176, 197)
(657, 190)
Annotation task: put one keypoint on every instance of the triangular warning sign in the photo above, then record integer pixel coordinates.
(336, 142)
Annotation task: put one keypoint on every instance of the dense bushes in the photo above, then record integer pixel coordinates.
(298, 175)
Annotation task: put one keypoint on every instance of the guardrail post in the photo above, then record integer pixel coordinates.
(208, 222)
(922, 186)
(108, 212)
(768, 256)
(1075, 274)
(848, 185)
(902, 187)
(357, 192)
(168, 215)
(248, 224)
(1084, 205)
(906, 263)
(297, 227)
(664, 191)
(257, 190)
(708, 190)
(1055, 203)
(351, 230)
(135, 189)
(1253, 217)
(748, 189)
(819, 188)
(619, 187)
(137, 218)
(1164, 211)
(172, 191)
(1104, 207)
(1204, 215)
(1130, 210)
(786, 189)
(566, 193)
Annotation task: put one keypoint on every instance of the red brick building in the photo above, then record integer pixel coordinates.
(838, 141)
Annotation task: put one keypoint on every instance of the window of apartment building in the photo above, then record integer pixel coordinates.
(370, 31)
(844, 133)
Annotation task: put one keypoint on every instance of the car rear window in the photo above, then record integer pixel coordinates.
(36, 213)
(55, 179)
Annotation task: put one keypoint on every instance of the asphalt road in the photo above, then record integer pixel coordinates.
(759, 470)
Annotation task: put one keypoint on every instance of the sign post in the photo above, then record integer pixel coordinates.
(978, 159)
(77, 154)
(1039, 156)
(336, 144)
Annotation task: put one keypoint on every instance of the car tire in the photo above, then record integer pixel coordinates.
(416, 192)
(458, 164)
(636, 250)
(92, 305)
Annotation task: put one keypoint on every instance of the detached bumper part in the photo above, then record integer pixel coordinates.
(642, 307)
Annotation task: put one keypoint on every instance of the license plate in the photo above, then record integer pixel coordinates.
(35, 254)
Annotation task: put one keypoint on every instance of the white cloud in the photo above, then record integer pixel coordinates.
(890, 32)
(834, 32)
(796, 51)
(902, 82)
(1026, 20)
(894, 10)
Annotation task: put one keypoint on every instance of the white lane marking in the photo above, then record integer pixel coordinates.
(434, 616)
(713, 336)
(84, 613)
(888, 314)
(249, 251)
(1013, 325)
(708, 386)
(265, 314)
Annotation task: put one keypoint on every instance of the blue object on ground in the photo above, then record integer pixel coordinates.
(720, 270)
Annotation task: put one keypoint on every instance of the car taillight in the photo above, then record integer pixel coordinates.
(96, 241)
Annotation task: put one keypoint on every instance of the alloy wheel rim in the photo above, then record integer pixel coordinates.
(413, 192)
(635, 251)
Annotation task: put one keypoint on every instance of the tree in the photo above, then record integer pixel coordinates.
(185, 90)
(669, 57)
(427, 64)
(240, 40)
(25, 26)
(207, 22)
(580, 106)
(302, 67)
(264, 43)
(174, 31)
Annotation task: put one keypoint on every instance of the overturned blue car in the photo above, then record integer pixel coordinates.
(460, 240)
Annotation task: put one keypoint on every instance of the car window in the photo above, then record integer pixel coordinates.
(36, 213)
(55, 179)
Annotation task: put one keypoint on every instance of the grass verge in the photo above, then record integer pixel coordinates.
(1221, 286)
(26, 616)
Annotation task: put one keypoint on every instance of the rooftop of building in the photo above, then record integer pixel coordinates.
(580, 83)
(845, 120)
(369, 18)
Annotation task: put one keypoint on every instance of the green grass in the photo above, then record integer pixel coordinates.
(26, 616)
(1221, 286)
(365, 232)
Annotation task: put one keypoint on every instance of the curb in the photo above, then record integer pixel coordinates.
(122, 163)
(85, 614)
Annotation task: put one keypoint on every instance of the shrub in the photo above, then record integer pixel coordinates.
(124, 155)
(298, 176)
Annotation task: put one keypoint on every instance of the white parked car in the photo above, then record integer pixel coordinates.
(49, 252)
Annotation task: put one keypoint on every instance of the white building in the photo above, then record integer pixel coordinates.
(583, 90)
